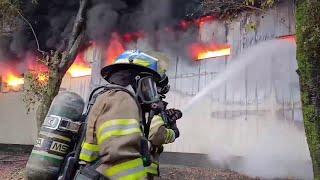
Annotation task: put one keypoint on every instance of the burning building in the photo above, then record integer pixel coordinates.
(234, 116)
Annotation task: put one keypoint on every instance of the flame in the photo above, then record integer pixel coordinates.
(214, 53)
(290, 38)
(129, 37)
(116, 46)
(204, 51)
(13, 80)
(41, 78)
(202, 20)
(79, 68)
(34, 64)
(114, 49)
(184, 25)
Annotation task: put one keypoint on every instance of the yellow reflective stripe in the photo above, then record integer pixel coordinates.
(116, 122)
(123, 167)
(136, 176)
(91, 147)
(170, 136)
(109, 134)
(154, 165)
(153, 169)
(87, 158)
(128, 170)
(135, 61)
(89, 152)
(141, 62)
(156, 121)
(157, 118)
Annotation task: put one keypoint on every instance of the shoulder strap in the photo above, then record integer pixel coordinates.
(92, 99)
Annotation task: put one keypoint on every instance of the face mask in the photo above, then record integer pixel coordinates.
(122, 78)
(147, 90)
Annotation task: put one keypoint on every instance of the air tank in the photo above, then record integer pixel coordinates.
(55, 137)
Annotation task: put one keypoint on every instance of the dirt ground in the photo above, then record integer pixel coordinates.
(12, 165)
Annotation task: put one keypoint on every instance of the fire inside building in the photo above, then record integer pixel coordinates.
(236, 113)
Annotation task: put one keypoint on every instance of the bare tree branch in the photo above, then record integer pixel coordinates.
(75, 38)
(67, 61)
(222, 6)
(78, 23)
(29, 24)
(264, 11)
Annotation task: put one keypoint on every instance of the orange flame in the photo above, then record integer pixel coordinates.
(114, 49)
(41, 77)
(214, 53)
(13, 80)
(202, 20)
(290, 38)
(79, 68)
(204, 51)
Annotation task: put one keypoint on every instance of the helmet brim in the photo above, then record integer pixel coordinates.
(107, 71)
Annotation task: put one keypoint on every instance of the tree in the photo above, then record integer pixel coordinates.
(308, 55)
(59, 63)
(8, 11)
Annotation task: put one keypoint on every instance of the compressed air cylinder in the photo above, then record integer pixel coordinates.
(55, 136)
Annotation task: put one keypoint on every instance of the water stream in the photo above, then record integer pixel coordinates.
(248, 118)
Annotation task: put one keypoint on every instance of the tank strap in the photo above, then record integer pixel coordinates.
(120, 88)
(106, 88)
(61, 123)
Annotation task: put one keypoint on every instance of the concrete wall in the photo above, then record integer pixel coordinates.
(18, 127)
(250, 92)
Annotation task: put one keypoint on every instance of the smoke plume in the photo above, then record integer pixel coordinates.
(53, 21)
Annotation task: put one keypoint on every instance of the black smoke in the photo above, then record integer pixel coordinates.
(52, 21)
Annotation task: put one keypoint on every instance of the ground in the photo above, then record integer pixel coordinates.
(192, 173)
(12, 165)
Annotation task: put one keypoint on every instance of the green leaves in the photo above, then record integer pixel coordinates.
(250, 26)
(36, 85)
(230, 9)
(250, 2)
(268, 4)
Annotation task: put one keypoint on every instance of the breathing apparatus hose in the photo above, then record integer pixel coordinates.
(148, 123)
(84, 125)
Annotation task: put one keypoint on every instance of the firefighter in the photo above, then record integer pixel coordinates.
(159, 133)
(115, 140)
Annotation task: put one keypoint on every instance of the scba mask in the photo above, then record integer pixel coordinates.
(147, 90)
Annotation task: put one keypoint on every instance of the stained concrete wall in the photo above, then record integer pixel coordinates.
(18, 127)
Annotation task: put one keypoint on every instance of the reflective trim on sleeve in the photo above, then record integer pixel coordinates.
(170, 136)
(153, 169)
(117, 127)
(156, 121)
(89, 152)
(130, 170)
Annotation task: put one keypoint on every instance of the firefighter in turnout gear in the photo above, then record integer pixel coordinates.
(159, 134)
(115, 144)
